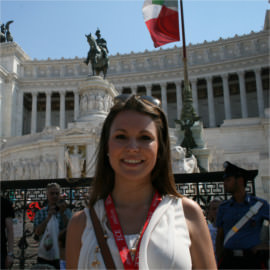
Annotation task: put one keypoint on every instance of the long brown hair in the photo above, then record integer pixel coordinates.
(162, 176)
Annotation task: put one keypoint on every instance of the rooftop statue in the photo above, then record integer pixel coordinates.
(98, 54)
(5, 33)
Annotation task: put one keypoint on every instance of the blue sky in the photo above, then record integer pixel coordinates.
(56, 28)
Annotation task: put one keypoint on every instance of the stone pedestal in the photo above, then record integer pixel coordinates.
(96, 99)
(201, 152)
(202, 155)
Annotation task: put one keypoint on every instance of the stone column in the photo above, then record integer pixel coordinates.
(195, 95)
(48, 109)
(243, 96)
(259, 88)
(34, 113)
(210, 96)
(148, 89)
(164, 97)
(90, 161)
(62, 110)
(133, 89)
(179, 102)
(19, 126)
(76, 105)
(226, 96)
(61, 162)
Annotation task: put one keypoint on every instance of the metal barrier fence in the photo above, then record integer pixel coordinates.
(201, 187)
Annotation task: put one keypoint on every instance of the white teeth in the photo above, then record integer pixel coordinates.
(132, 161)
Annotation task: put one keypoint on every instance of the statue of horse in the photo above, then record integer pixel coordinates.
(99, 60)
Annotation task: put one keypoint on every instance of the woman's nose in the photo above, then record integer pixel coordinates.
(132, 145)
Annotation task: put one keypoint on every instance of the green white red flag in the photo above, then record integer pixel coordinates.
(161, 18)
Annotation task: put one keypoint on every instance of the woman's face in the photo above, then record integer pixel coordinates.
(133, 146)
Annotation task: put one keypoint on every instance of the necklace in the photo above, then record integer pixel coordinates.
(133, 249)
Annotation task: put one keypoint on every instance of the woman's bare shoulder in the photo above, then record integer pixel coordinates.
(192, 210)
(78, 220)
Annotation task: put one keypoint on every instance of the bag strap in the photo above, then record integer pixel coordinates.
(252, 211)
(105, 251)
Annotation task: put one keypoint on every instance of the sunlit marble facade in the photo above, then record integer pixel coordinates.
(230, 88)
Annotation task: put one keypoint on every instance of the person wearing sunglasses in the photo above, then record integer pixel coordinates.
(145, 222)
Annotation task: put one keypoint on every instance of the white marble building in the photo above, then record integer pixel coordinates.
(41, 104)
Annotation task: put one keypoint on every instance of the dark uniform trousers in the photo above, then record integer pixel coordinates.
(242, 259)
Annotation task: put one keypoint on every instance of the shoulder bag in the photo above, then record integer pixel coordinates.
(105, 251)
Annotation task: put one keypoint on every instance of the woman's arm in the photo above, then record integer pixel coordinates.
(201, 249)
(75, 230)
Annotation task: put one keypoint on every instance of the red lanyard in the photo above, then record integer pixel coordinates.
(118, 233)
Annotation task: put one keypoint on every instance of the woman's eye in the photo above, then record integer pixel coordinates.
(146, 138)
(120, 136)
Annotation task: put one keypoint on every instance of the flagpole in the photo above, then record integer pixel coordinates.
(188, 115)
(186, 81)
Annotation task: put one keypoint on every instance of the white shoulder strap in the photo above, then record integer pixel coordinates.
(239, 224)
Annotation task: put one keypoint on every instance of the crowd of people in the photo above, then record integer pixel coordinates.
(136, 219)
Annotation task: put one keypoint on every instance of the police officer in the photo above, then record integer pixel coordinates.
(239, 223)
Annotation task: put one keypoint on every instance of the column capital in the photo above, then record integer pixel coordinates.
(34, 94)
(224, 76)
(62, 93)
(209, 78)
(163, 84)
(241, 72)
(148, 85)
(48, 93)
(257, 70)
(178, 83)
(193, 80)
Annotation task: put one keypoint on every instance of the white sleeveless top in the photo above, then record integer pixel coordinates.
(165, 243)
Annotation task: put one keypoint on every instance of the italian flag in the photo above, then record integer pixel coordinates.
(161, 18)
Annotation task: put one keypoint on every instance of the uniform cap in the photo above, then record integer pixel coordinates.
(233, 170)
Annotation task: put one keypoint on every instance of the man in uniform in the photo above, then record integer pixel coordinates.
(239, 222)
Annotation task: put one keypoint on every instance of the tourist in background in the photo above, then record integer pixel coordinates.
(211, 216)
(239, 223)
(146, 222)
(54, 207)
(7, 234)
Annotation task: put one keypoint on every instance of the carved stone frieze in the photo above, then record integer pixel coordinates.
(96, 97)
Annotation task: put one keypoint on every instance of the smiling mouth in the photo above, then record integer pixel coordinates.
(133, 161)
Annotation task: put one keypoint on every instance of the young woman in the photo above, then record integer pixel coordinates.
(147, 223)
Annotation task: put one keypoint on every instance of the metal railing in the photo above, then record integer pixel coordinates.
(201, 187)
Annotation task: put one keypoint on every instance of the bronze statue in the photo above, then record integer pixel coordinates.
(102, 43)
(98, 54)
(9, 38)
(5, 33)
(187, 120)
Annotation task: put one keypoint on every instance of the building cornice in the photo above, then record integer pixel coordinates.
(13, 49)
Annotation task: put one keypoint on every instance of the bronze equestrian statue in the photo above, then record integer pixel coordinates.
(98, 54)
